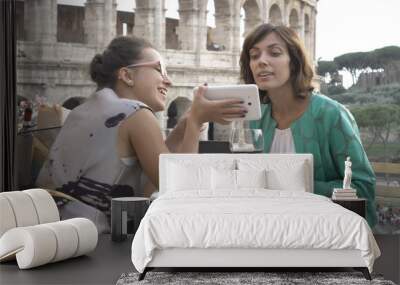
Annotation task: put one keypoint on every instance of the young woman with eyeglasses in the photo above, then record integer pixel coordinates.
(107, 143)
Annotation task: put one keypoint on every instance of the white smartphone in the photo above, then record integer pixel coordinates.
(248, 93)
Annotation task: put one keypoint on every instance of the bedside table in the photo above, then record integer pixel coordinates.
(126, 214)
(358, 205)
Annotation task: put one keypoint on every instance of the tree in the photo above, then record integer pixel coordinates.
(386, 55)
(353, 62)
(327, 67)
(380, 121)
(357, 62)
(335, 81)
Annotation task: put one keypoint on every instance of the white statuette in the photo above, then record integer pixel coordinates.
(347, 174)
(345, 193)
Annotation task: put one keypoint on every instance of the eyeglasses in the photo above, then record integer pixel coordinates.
(157, 65)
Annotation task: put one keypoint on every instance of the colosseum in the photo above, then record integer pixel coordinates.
(57, 40)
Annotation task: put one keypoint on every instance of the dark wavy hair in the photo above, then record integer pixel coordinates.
(121, 52)
(301, 70)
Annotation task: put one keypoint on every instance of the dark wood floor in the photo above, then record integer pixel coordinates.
(102, 266)
(110, 260)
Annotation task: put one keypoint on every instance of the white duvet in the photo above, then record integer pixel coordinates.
(250, 219)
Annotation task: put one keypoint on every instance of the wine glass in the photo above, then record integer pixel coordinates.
(244, 140)
(166, 132)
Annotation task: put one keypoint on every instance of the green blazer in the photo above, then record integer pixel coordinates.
(329, 132)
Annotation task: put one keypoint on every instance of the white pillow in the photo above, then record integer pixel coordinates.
(281, 174)
(183, 177)
(226, 179)
(223, 179)
(251, 178)
(291, 178)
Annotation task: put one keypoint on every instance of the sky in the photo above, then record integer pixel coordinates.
(343, 26)
(356, 25)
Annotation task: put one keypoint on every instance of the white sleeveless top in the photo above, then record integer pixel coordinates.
(84, 161)
(283, 142)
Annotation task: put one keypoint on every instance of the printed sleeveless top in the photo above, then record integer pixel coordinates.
(84, 161)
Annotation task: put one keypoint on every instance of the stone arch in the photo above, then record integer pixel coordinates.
(275, 15)
(252, 15)
(70, 21)
(150, 21)
(126, 19)
(144, 4)
(192, 28)
(307, 32)
(294, 20)
(221, 38)
(171, 26)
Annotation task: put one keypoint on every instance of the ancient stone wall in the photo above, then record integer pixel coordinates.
(391, 75)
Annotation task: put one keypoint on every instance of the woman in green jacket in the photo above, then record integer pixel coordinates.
(296, 119)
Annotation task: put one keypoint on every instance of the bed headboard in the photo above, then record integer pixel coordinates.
(235, 161)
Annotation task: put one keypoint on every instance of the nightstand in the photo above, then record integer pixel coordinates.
(356, 205)
(126, 214)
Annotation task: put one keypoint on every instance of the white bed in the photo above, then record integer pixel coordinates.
(220, 211)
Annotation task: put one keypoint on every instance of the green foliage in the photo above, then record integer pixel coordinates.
(386, 55)
(380, 122)
(377, 115)
(334, 90)
(375, 59)
(377, 112)
(326, 67)
(350, 61)
(389, 94)
(396, 97)
(376, 151)
(356, 62)
(344, 98)
(384, 94)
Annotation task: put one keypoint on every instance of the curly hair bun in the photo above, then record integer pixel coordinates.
(96, 70)
(121, 52)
